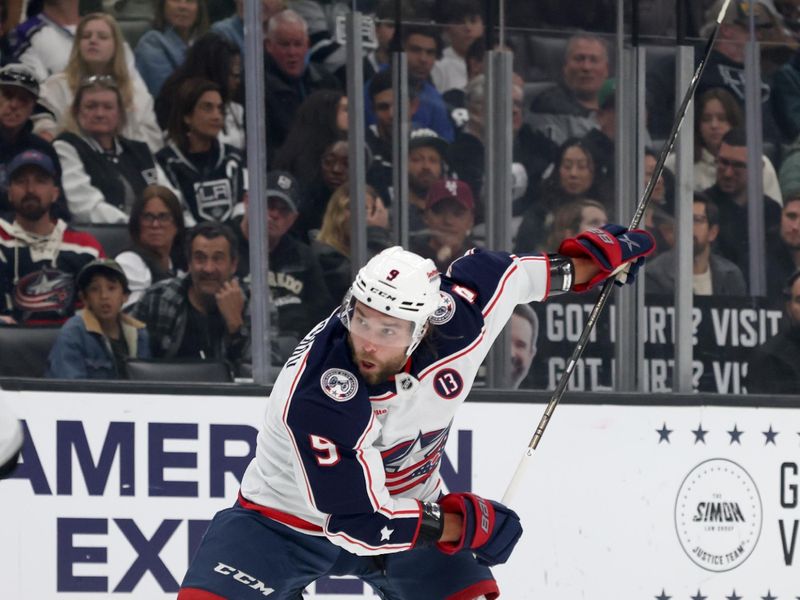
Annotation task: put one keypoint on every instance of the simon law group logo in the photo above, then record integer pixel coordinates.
(718, 515)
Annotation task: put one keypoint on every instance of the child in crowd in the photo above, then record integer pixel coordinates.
(95, 343)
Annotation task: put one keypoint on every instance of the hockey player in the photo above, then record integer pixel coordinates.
(345, 480)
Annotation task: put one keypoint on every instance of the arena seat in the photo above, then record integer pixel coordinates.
(179, 370)
(24, 350)
(113, 238)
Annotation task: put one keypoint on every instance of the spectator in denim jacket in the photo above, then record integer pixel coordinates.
(95, 343)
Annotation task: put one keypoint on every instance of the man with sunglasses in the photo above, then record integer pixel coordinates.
(19, 92)
(729, 193)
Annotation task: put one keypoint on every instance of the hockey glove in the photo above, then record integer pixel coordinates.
(489, 528)
(610, 248)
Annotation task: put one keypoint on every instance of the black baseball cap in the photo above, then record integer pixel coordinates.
(106, 266)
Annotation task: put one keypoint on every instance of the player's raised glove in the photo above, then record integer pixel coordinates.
(489, 529)
(610, 248)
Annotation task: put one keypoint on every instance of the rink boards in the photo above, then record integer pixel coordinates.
(622, 501)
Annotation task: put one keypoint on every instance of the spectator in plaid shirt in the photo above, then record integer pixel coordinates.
(203, 314)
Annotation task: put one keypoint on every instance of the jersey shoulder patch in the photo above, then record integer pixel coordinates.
(339, 384)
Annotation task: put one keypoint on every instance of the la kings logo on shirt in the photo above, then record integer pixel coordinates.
(338, 384)
(214, 199)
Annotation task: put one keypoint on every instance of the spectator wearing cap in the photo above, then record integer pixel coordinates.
(449, 216)
(289, 78)
(532, 152)
(296, 283)
(463, 24)
(104, 171)
(569, 109)
(422, 46)
(203, 314)
(19, 92)
(39, 255)
(96, 342)
(774, 367)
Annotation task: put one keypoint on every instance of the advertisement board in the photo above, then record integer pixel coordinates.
(628, 502)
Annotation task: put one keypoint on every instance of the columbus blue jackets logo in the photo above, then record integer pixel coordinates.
(339, 384)
(45, 291)
(446, 310)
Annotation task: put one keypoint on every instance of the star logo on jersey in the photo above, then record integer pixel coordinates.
(338, 384)
(445, 311)
(386, 533)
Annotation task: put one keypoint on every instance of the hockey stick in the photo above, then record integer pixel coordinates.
(608, 287)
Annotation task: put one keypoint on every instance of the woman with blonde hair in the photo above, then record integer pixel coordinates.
(99, 51)
(332, 245)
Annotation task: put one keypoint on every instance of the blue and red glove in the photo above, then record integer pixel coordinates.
(610, 247)
(489, 529)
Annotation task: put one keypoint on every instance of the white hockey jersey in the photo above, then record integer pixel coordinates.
(339, 458)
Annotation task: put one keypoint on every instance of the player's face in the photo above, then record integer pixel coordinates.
(586, 67)
(793, 304)
(31, 192)
(790, 224)
(378, 342)
(522, 350)
(732, 169)
(104, 297)
(714, 124)
(210, 264)
(16, 106)
(97, 43)
(575, 172)
(99, 113)
(287, 47)
(208, 116)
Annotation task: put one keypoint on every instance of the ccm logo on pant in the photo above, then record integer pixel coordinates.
(243, 578)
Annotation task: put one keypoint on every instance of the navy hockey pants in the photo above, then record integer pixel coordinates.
(247, 556)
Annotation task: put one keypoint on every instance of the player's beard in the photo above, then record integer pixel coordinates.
(385, 370)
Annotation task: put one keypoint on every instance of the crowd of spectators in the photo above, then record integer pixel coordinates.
(147, 132)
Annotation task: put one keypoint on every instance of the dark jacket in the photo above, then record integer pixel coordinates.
(212, 191)
(774, 367)
(558, 115)
(285, 95)
(732, 241)
(82, 351)
(726, 277)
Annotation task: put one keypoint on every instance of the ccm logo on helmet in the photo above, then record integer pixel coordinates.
(382, 294)
(243, 578)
